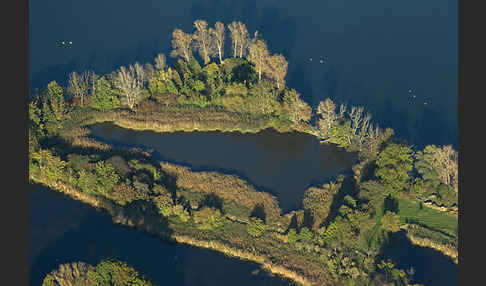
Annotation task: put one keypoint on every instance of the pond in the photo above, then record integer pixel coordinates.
(283, 164)
(65, 230)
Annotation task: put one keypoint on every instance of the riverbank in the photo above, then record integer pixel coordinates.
(309, 261)
(122, 217)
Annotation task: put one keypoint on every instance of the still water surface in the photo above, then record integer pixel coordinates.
(378, 54)
(64, 230)
(284, 164)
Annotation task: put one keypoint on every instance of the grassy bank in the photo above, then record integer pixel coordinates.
(181, 118)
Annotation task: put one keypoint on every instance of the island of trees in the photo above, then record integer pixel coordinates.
(107, 272)
(334, 239)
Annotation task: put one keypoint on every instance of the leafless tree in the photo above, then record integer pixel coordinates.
(93, 81)
(181, 44)
(218, 37)
(149, 71)
(203, 40)
(356, 117)
(258, 55)
(244, 39)
(277, 69)
(129, 82)
(327, 111)
(233, 27)
(79, 85)
(160, 62)
(140, 73)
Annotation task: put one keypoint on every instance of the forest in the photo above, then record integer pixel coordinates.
(335, 238)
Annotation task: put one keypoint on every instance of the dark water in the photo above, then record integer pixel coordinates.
(431, 267)
(284, 164)
(372, 52)
(64, 230)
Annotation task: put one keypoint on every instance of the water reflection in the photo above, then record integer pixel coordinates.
(284, 164)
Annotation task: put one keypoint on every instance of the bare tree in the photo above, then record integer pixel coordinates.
(356, 116)
(93, 81)
(364, 129)
(160, 62)
(327, 110)
(128, 81)
(203, 40)
(181, 44)
(140, 73)
(244, 39)
(79, 85)
(374, 136)
(258, 55)
(149, 71)
(445, 162)
(235, 36)
(342, 110)
(218, 37)
(277, 69)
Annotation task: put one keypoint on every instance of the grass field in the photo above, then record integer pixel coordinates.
(433, 219)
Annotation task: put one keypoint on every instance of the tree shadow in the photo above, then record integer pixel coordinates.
(143, 215)
(390, 203)
(348, 187)
(259, 212)
(213, 201)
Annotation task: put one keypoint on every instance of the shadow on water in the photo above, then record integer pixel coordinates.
(432, 268)
(96, 237)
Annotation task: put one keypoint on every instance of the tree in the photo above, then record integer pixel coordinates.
(390, 222)
(438, 164)
(244, 39)
(277, 69)
(233, 27)
(255, 227)
(318, 201)
(298, 110)
(105, 98)
(55, 96)
(203, 40)
(93, 81)
(79, 85)
(217, 40)
(258, 55)
(328, 117)
(374, 137)
(181, 44)
(74, 273)
(130, 84)
(393, 166)
(208, 218)
(305, 235)
(149, 71)
(160, 62)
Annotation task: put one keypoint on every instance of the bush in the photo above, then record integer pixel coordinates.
(104, 98)
(255, 227)
(207, 218)
(390, 222)
(305, 235)
(292, 236)
(236, 89)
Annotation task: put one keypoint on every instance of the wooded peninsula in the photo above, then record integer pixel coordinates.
(335, 239)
